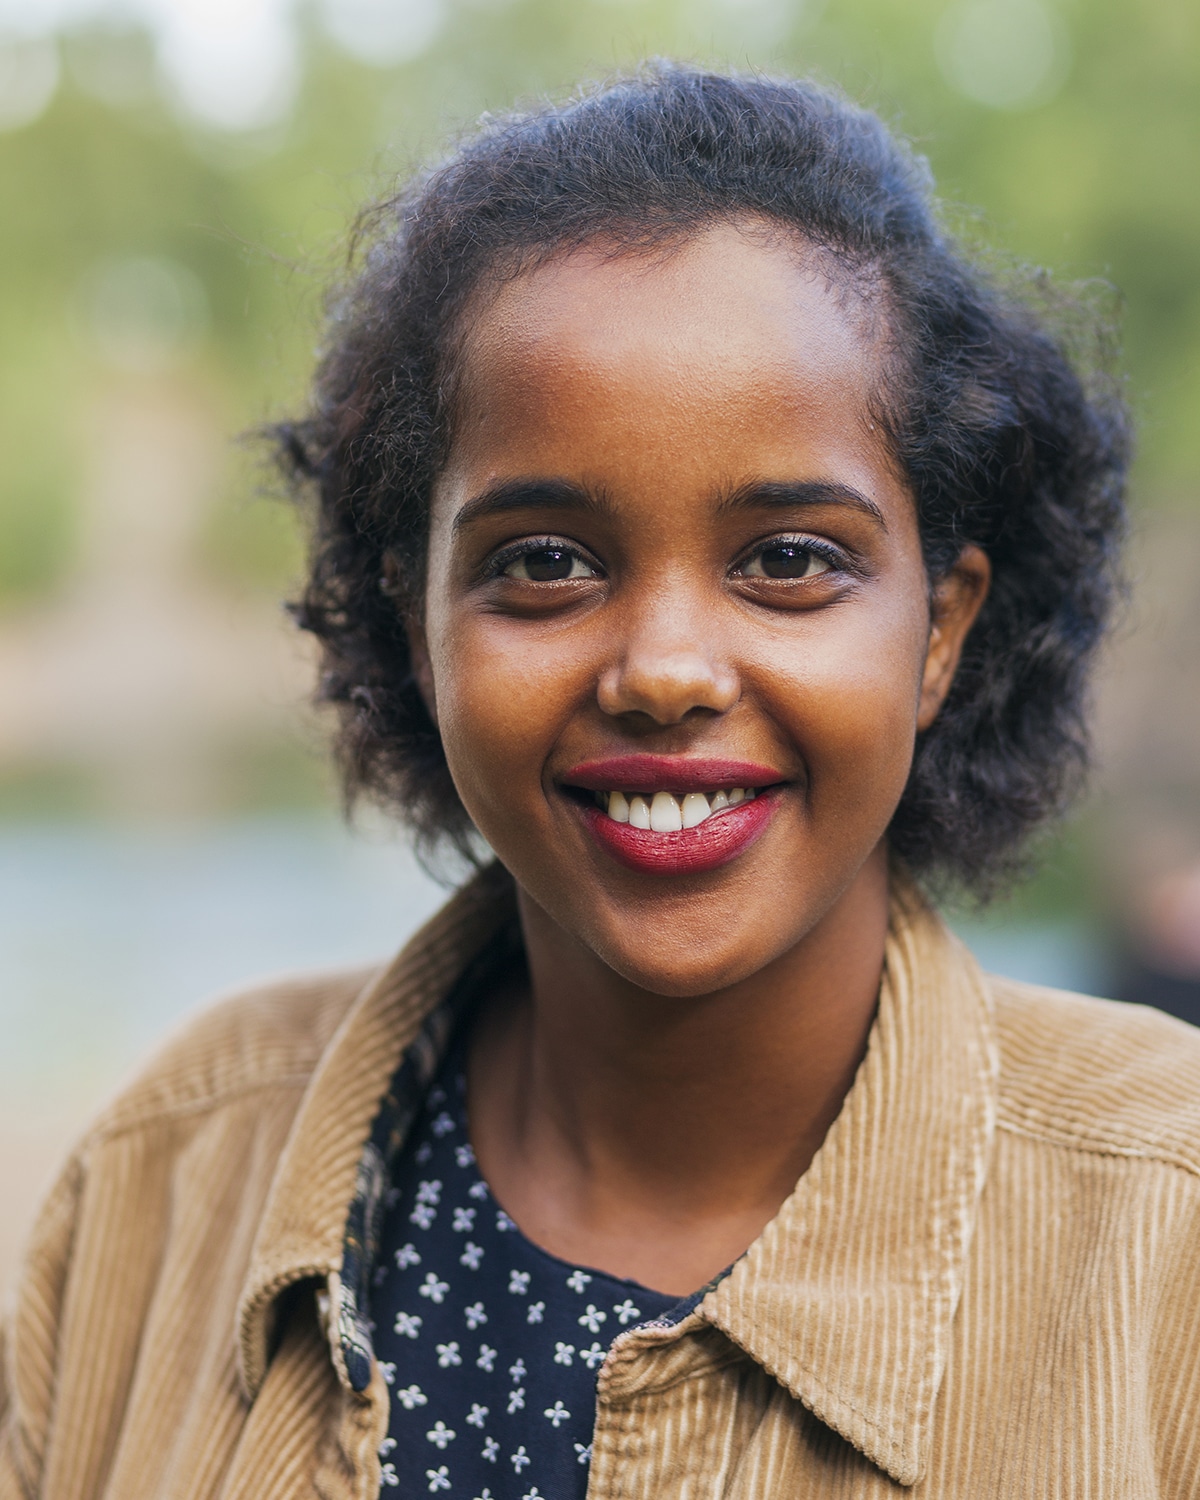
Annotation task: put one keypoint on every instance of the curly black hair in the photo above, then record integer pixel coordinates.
(1006, 441)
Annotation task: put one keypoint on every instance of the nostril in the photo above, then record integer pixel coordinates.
(667, 688)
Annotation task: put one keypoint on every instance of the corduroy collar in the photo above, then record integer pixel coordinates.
(302, 1231)
(847, 1297)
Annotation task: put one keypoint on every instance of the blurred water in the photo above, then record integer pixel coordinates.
(108, 936)
(1064, 955)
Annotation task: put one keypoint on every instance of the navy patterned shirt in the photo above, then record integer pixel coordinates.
(490, 1346)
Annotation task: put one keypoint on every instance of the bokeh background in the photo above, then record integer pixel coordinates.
(176, 182)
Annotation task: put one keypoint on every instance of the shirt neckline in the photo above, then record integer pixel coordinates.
(847, 1298)
(456, 1068)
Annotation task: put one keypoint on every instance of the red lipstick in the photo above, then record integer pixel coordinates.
(667, 773)
(691, 851)
(721, 837)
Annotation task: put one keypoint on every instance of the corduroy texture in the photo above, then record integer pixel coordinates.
(986, 1285)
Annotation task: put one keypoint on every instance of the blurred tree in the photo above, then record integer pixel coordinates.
(1069, 131)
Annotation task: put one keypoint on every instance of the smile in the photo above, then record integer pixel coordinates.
(663, 813)
(667, 815)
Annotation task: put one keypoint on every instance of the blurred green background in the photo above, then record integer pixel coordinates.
(177, 178)
(163, 249)
(176, 193)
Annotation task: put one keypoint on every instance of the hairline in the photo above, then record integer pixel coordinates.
(863, 279)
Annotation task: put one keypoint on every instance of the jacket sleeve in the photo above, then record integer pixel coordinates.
(1171, 1358)
(29, 1341)
(8, 1480)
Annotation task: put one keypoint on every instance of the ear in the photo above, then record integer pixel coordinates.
(422, 667)
(957, 600)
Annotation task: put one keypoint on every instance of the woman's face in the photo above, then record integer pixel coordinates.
(674, 579)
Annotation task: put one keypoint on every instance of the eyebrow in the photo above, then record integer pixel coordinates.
(559, 494)
(784, 494)
(528, 494)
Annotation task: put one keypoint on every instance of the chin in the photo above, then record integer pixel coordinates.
(681, 976)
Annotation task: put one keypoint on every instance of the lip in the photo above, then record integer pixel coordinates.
(668, 773)
(690, 851)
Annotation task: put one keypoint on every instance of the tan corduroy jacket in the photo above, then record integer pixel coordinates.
(986, 1285)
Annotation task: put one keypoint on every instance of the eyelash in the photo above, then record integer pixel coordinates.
(530, 545)
(825, 551)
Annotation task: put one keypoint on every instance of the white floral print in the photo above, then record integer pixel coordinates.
(593, 1318)
(493, 1371)
(422, 1216)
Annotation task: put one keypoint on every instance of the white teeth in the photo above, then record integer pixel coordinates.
(663, 813)
(665, 816)
(695, 809)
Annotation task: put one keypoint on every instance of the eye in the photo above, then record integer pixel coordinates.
(548, 565)
(785, 559)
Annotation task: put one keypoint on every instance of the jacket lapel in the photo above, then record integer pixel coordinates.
(847, 1297)
(302, 1233)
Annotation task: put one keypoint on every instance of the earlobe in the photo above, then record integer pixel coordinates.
(957, 599)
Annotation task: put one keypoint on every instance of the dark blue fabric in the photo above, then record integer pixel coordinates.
(490, 1346)
(503, 954)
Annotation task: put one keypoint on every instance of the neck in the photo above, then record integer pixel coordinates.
(654, 1137)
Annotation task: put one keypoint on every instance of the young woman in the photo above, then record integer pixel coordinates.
(699, 530)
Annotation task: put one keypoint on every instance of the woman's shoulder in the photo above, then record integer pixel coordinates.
(261, 1036)
(1098, 1075)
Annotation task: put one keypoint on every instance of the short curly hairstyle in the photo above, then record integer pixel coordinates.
(1005, 440)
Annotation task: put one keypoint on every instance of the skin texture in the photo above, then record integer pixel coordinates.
(686, 1041)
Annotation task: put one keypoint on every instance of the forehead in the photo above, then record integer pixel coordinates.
(729, 348)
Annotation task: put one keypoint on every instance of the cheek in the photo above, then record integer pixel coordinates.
(502, 702)
(850, 707)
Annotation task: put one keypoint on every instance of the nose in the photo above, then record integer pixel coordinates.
(668, 666)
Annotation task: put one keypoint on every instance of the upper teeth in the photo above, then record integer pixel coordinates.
(663, 813)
